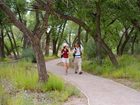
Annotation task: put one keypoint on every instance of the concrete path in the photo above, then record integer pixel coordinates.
(99, 91)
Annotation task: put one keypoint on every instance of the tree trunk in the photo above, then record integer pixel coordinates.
(61, 36)
(128, 36)
(43, 76)
(133, 43)
(2, 53)
(99, 41)
(12, 46)
(121, 47)
(98, 33)
(14, 41)
(109, 52)
(54, 47)
(7, 49)
(47, 43)
(79, 34)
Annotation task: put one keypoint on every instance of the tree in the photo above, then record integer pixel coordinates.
(86, 27)
(34, 37)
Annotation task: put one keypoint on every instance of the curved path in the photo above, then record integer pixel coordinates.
(99, 91)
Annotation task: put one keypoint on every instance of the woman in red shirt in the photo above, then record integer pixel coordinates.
(65, 58)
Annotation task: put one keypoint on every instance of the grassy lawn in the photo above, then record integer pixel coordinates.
(19, 86)
(127, 73)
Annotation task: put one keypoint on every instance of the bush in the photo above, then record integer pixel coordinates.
(29, 55)
(89, 49)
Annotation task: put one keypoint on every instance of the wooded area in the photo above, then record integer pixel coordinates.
(103, 27)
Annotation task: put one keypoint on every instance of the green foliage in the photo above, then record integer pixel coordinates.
(129, 68)
(28, 54)
(137, 48)
(89, 49)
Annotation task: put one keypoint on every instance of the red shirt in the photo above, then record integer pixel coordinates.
(64, 52)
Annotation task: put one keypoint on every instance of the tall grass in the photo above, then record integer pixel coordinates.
(23, 75)
(3, 96)
(129, 68)
(53, 83)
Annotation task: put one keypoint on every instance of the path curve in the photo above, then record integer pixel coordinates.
(99, 91)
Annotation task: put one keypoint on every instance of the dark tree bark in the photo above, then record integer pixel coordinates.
(79, 35)
(61, 36)
(47, 42)
(12, 45)
(124, 40)
(98, 33)
(121, 41)
(43, 76)
(14, 42)
(7, 49)
(55, 40)
(34, 37)
(2, 53)
(127, 37)
(54, 47)
(133, 43)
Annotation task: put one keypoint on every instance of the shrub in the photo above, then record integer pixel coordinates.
(29, 55)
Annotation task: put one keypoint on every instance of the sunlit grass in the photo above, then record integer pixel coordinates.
(23, 75)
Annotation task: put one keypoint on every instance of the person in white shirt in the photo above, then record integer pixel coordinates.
(77, 54)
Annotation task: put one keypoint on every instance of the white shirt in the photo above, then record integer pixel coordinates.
(78, 52)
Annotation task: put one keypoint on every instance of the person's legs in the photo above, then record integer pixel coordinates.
(79, 65)
(64, 63)
(67, 65)
(75, 65)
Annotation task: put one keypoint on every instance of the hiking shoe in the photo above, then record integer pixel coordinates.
(75, 72)
(80, 72)
(66, 72)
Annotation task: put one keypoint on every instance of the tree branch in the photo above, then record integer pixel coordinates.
(12, 17)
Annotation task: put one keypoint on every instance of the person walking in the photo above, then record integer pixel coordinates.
(65, 57)
(77, 54)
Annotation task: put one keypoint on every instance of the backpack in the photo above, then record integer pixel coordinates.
(75, 52)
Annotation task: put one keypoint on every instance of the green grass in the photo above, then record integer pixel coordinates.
(23, 75)
(5, 60)
(47, 58)
(129, 68)
(54, 83)
(3, 96)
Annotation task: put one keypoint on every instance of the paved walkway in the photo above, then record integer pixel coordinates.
(99, 91)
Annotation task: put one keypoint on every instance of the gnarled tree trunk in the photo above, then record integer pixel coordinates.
(2, 53)
(34, 37)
